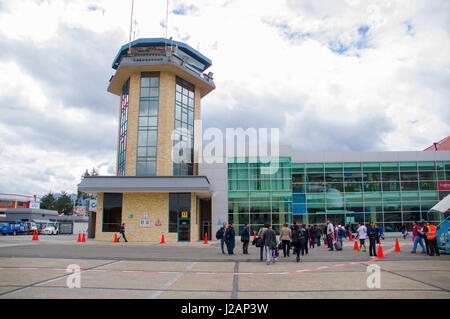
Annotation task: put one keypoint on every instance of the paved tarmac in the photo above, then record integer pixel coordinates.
(38, 269)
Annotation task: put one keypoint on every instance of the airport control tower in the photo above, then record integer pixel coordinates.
(160, 83)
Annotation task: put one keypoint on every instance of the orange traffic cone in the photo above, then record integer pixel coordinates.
(380, 252)
(355, 247)
(34, 235)
(254, 236)
(351, 237)
(115, 238)
(206, 239)
(162, 239)
(79, 237)
(397, 246)
(84, 239)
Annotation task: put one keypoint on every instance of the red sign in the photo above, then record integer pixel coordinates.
(444, 185)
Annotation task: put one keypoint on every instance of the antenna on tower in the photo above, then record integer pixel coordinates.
(167, 16)
(131, 27)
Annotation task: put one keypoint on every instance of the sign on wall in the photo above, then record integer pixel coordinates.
(144, 223)
(93, 205)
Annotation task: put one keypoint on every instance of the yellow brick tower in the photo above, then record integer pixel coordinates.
(157, 189)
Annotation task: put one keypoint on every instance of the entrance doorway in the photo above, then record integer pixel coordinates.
(205, 218)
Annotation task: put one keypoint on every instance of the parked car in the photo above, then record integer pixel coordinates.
(12, 228)
(51, 229)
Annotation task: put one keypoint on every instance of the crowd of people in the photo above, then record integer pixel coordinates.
(299, 238)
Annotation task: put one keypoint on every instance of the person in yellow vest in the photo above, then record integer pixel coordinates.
(432, 240)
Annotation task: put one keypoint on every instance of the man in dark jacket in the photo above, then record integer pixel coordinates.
(268, 237)
(222, 231)
(245, 238)
(230, 239)
(372, 234)
(122, 232)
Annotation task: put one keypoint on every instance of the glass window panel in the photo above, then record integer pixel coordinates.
(335, 201)
(372, 177)
(145, 82)
(153, 108)
(281, 196)
(371, 167)
(375, 197)
(334, 177)
(317, 219)
(409, 186)
(315, 178)
(315, 198)
(298, 178)
(374, 217)
(391, 196)
(299, 209)
(154, 81)
(352, 167)
(411, 216)
(411, 206)
(315, 188)
(408, 166)
(315, 208)
(281, 207)
(353, 187)
(389, 166)
(391, 186)
(427, 175)
(426, 196)
(426, 166)
(390, 176)
(428, 186)
(392, 207)
(410, 196)
(153, 92)
(298, 188)
(259, 196)
(408, 176)
(243, 219)
(333, 167)
(392, 227)
(299, 167)
(372, 187)
(260, 218)
(354, 197)
(353, 177)
(335, 187)
(392, 217)
(371, 208)
(238, 195)
(142, 139)
(145, 92)
(314, 167)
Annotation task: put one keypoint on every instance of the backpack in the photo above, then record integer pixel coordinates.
(338, 246)
(302, 236)
(219, 234)
(341, 232)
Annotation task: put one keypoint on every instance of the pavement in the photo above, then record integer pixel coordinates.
(105, 270)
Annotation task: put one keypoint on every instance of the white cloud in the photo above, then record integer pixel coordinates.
(333, 75)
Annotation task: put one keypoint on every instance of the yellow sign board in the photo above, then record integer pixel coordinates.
(184, 214)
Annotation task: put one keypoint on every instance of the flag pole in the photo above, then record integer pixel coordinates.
(131, 27)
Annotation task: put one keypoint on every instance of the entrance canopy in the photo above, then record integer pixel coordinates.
(443, 205)
(142, 184)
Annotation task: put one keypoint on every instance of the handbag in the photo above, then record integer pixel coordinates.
(272, 244)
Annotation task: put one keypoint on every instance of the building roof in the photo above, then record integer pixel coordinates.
(161, 41)
(122, 184)
(442, 145)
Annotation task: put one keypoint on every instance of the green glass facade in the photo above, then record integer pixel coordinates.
(388, 193)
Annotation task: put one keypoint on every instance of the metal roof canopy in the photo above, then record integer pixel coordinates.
(125, 184)
(443, 205)
(162, 41)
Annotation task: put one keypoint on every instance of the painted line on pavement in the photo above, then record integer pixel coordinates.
(187, 271)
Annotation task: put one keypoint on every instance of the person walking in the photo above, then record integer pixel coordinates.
(296, 241)
(404, 231)
(261, 232)
(270, 242)
(292, 231)
(286, 237)
(425, 237)
(418, 238)
(340, 234)
(362, 235)
(318, 234)
(372, 234)
(122, 233)
(432, 239)
(230, 236)
(312, 236)
(330, 232)
(245, 239)
(221, 232)
(305, 231)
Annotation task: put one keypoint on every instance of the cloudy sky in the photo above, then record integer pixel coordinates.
(354, 75)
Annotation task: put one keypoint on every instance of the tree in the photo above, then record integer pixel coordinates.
(48, 201)
(64, 204)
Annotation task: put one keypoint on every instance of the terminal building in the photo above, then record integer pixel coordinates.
(160, 83)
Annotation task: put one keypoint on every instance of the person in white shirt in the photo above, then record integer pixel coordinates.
(362, 234)
(330, 232)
